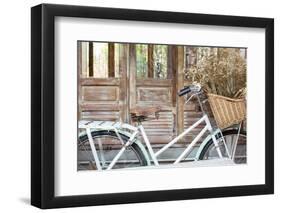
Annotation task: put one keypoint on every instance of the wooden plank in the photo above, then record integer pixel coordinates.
(99, 81)
(170, 74)
(167, 108)
(150, 61)
(100, 115)
(90, 106)
(124, 108)
(94, 106)
(132, 75)
(111, 58)
(180, 84)
(154, 82)
(152, 94)
(91, 59)
(100, 93)
(160, 130)
(174, 61)
(85, 59)
(191, 107)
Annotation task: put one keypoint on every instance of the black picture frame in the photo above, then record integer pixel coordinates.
(43, 105)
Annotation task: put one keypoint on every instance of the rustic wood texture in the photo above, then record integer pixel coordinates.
(100, 93)
(93, 106)
(173, 54)
(152, 93)
(99, 81)
(123, 54)
(85, 59)
(132, 75)
(150, 61)
(144, 111)
(153, 82)
(91, 59)
(79, 58)
(98, 97)
(179, 85)
(111, 57)
(160, 130)
(170, 74)
(101, 115)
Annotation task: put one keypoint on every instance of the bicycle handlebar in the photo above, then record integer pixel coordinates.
(184, 91)
(190, 88)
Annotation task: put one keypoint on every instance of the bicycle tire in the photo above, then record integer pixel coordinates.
(205, 153)
(134, 148)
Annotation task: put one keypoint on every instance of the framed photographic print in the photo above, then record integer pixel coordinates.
(140, 106)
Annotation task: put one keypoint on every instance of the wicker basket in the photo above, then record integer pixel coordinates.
(227, 111)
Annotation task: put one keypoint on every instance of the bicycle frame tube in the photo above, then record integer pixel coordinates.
(93, 148)
(236, 142)
(204, 118)
(154, 156)
(113, 162)
(147, 143)
(214, 138)
(195, 140)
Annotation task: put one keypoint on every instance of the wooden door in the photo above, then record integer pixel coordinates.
(111, 98)
(152, 91)
(104, 98)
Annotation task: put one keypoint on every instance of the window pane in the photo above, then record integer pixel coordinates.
(141, 57)
(100, 60)
(160, 61)
(116, 59)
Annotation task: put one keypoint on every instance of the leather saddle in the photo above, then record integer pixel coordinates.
(142, 113)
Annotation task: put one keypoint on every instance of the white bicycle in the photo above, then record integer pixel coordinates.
(105, 145)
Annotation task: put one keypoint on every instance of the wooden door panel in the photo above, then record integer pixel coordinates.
(101, 115)
(103, 98)
(157, 92)
(154, 95)
(100, 99)
(100, 93)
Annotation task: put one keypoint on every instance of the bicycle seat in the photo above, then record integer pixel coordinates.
(141, 113)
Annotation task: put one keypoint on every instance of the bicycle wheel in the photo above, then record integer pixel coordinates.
(230, 137)
(108, 145)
